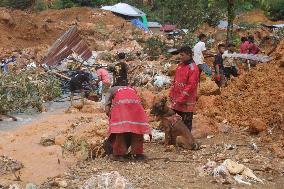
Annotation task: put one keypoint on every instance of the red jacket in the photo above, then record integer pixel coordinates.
(253, 48)
(184, 88)
(244, 47)
(127, 113)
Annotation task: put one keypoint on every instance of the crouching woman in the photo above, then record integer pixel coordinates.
(128, 123)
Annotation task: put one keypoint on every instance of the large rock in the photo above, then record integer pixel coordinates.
(47, 140)
(257, 125)
(6, 18)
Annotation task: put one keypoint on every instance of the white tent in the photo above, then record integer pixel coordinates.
(124, 9)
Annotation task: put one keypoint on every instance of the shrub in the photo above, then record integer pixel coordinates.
(40, 5)
(26, 89)
(154, 47)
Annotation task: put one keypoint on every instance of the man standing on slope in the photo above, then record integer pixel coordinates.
(199, 50)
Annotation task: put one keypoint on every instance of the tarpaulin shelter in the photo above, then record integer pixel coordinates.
(68, 43)
(128, 12)
(124, 9)
(139, 24)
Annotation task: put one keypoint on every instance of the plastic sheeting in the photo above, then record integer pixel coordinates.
(124, 9)
(139, 24)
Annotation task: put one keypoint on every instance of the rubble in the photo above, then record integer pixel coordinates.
(229, 167)
(47, 140)
(9, 165)
(252, 101)
(110, 180)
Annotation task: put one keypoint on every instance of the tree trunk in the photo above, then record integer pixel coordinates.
(231, 17)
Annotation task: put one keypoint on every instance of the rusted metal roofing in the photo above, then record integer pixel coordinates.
(68, 43)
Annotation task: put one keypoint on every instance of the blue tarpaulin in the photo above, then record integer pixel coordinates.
(139, 24)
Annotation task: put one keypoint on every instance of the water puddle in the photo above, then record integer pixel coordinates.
(32, 115)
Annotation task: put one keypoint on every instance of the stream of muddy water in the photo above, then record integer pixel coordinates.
(32, 115)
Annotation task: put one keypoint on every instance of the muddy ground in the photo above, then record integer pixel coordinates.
(165, 167)
(247, 116)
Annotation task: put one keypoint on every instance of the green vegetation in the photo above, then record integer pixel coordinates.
(26, 89)
(184, 13)
(154, 47)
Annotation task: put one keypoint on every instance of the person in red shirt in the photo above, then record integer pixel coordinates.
(104, 81)
(184, 87)
(244, 46)
(253, 48)
(128, 123)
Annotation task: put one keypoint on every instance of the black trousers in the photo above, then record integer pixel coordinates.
(186, 118)
(228, 71)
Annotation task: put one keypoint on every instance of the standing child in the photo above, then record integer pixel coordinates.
(219, 67)
(230, 68)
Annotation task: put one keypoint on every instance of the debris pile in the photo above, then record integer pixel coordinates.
(84, 138)
(230, 172)
(9, 165)
(149, 75)
(110, 180)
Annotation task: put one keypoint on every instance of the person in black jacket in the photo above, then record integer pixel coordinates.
(219, 67)
(77, 83)
(120, 71)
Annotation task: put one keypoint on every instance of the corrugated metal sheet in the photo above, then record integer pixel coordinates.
(68, 43)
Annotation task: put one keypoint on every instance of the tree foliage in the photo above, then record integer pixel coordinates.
(184, 13)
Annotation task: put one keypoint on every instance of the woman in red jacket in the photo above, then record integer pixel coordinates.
(184, 87)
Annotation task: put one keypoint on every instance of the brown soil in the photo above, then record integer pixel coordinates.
(29, 35)
(253, 102)
(254, 94)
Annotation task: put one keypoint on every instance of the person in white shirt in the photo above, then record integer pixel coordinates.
(199, 50)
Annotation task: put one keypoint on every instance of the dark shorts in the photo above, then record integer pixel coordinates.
(230, 71)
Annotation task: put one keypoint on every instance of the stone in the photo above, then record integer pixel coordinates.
(47, 140)
(257, 125)
(278, 151)
(224, 128)
(62, 183)
(59, 140)
(31, 186)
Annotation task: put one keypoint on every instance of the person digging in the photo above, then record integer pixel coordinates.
(128, 123)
